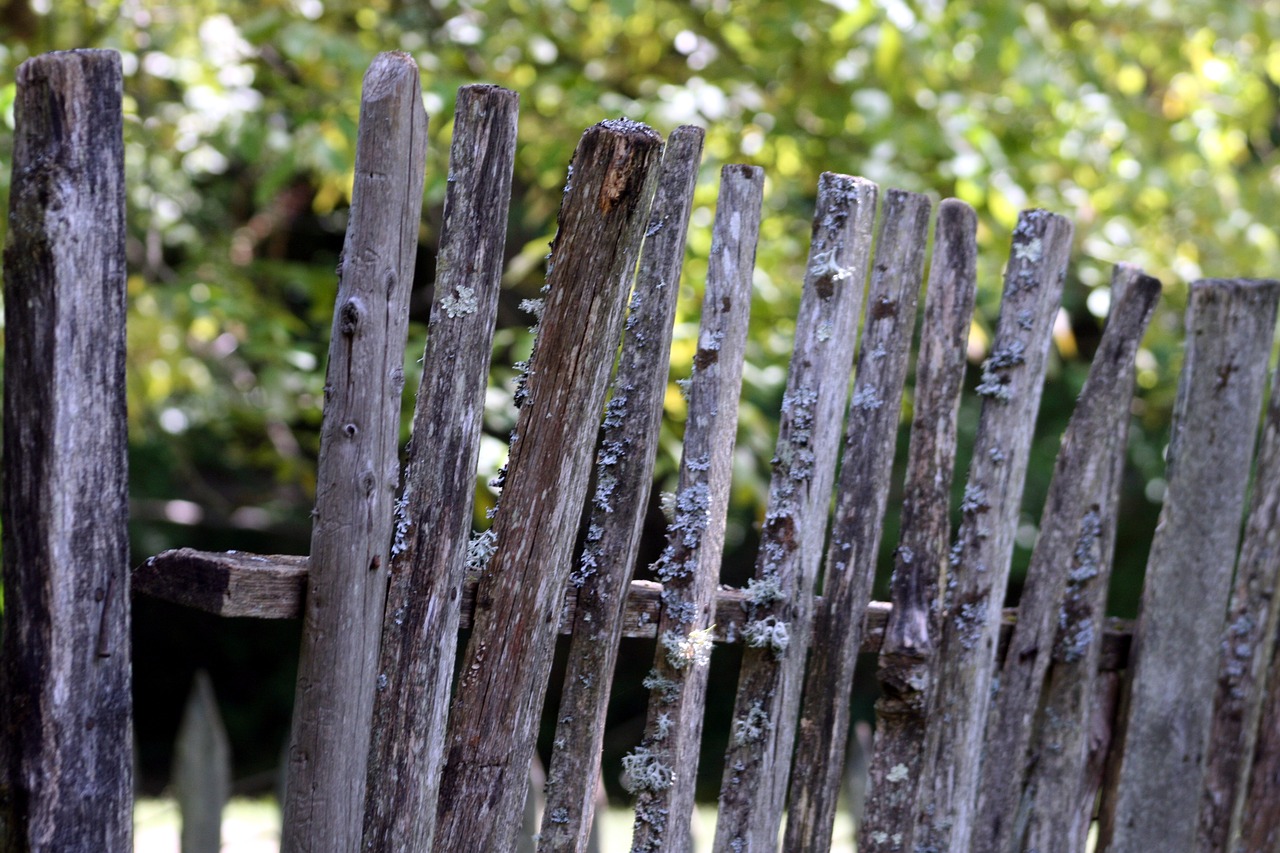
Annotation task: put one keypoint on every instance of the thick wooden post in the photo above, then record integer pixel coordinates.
(433, 520)
(495, 710)
(1166, 729)
(357, 471)
(65, 734)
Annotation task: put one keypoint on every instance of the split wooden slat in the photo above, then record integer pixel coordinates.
(661, 771)
(1248, 652)
(1162, 764)
(780, 596)
(871, 432)
(201, 769)
(226, 583)
(1062, 600)
(1011, 383)
(503, 676)
(66, 738)
(910, 642)
(433, 517)
(625, 460)
(357, 476)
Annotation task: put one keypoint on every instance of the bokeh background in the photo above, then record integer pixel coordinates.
(1152, 124)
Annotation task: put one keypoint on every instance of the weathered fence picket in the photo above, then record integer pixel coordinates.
(504, 672)
(911, 636)
(433, 516)
(1073, 724)
(871, 431)
(1195, 759)
(66, 750)
(661, 771)
(1166, 729)
(625, 459)
(201, 769)
(357, 473)
(1077, 535)
(1012, 378)
(779, 618)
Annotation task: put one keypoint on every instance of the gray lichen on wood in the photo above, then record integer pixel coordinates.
(779, 608)
(981, 555)
(433, 524)
(910, 642)
(690, 563)
(625, 457)
(496, 706)
(1061, 607)
(871, 434)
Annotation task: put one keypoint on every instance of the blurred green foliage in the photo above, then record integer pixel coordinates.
(1152, 125)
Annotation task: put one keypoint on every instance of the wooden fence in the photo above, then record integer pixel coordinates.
(996, 731)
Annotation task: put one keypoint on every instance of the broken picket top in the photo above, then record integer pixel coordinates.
(943, 648)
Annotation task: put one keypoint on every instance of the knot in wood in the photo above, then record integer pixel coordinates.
(349, 316)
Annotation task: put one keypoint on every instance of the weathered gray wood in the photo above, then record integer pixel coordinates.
(1248, 648)
(66, 778)
(624, 474)
(780, 596)
(1064, 593)
(871, 433)
(496, 708)
(662, 770)
(433, 517)
(1012, 379)
(228, 583)
(1260, 814)
(1170, 693)
(907, 655)
(201, 769)
(357, 475)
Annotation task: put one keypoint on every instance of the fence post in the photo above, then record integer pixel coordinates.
(357, 471)
(66, 739)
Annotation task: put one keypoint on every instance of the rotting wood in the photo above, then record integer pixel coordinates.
(1064, 593)
(1011, 383)
(871, 433)
(433, 516)
(201, 769)
(639, 619)
(66, 739)
(504, 672)
(226, 583)
(1260, 812)
(907, 654)
(779, 617)
(661, 771)
(1248, 650)
(1170, 692)
(357, 476)
(625, 458)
